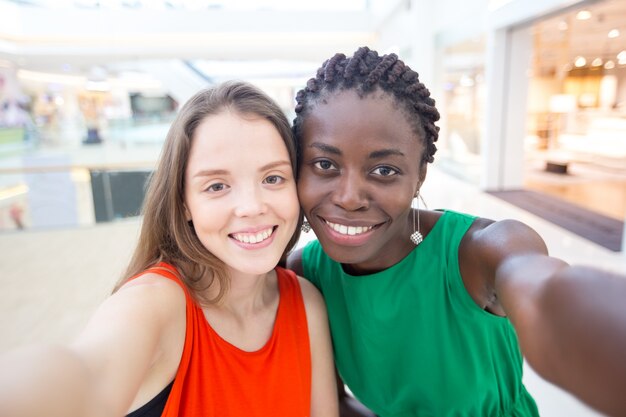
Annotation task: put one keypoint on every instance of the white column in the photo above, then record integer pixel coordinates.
(506, 70)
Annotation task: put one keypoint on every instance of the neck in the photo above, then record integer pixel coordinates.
(249, 293)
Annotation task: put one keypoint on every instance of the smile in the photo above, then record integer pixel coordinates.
(348, 230)
(257, 237)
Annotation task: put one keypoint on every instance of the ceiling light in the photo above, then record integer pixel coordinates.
(101, 86)
(622, 56)
(583, 15)
(613, 33)
(596, 62)
(580, 61)
(609, 64)
(50, 78)
(466, 81)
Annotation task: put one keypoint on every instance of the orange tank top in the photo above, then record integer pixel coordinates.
(215, 378)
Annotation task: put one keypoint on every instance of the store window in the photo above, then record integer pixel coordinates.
(576, 139)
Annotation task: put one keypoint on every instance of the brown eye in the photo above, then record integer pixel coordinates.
(385, 171)
(324, 165)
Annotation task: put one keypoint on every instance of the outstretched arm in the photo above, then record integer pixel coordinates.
(570, 320)
(101, 372)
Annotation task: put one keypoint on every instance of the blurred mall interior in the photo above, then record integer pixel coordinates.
(532, 95)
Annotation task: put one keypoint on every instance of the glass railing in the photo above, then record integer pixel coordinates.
(57, 183)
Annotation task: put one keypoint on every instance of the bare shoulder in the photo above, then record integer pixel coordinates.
(154, 292)
(488, 237)
(486, 245)
(155, 284)
(150, 302)
(313, 300)
(309, 292)
(134, 339)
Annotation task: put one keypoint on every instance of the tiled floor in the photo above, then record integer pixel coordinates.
(600, 189)
(52, 280)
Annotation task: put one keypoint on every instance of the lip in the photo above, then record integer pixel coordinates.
(252, 230)
(348, 240)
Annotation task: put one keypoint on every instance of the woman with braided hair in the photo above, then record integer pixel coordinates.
(430, 311)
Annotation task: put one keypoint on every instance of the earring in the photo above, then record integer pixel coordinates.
(416, 236)
(306, 227)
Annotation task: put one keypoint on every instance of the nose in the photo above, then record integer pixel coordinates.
(350, 192)
(250, 202)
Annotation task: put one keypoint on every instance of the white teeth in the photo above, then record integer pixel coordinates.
(348, 230)
(254, 237)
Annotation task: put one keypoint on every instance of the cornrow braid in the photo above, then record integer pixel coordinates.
(364, 72)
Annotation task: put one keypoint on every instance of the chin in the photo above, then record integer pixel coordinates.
(343, 254)
(258, 268)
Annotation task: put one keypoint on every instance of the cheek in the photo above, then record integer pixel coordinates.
(189, 203)
(192, 205)
(292, 204)
(190, 209)
(203, 222)
(399, 204)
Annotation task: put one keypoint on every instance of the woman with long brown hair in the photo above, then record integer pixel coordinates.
(203, 322)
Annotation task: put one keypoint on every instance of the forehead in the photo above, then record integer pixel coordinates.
(232, 137)
(346, 119)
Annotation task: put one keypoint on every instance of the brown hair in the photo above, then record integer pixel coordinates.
(166, 235)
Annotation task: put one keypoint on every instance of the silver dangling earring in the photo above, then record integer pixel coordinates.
(416, 236)
(306, 227)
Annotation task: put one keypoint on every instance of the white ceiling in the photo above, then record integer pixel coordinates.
(62, 38)
(74, 39)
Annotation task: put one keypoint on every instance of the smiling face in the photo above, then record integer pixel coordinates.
(240, 191)
(360, 169)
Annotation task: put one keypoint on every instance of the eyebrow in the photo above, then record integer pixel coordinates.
(275, 164)
(325, 148)
(374, 155)
(211, 172)
(385, 152)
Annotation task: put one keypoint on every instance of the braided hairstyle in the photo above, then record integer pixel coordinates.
(364, 72)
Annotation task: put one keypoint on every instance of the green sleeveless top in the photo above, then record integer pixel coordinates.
(410, 341)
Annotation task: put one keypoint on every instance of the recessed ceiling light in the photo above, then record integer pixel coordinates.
(580, 61)
(596, 62)
(613, 33)
(583, 15)
(609, 64)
